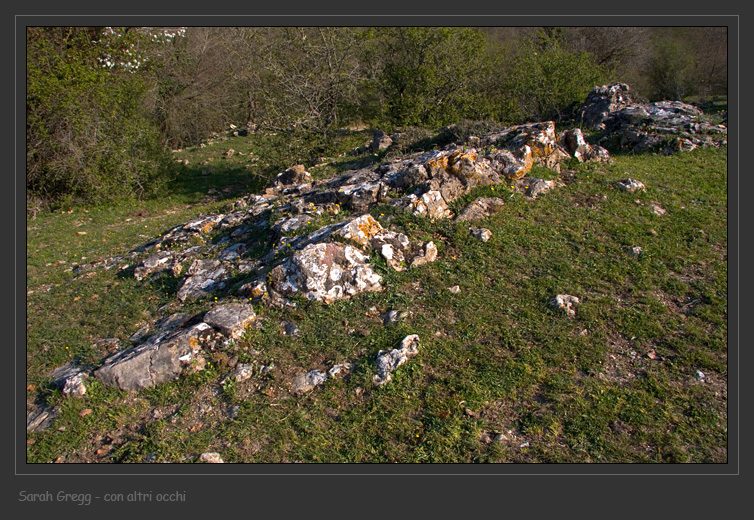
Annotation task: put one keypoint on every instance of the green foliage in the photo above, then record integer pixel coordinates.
(670, 71)
(89, 134)
(546, 81)
(430, 75)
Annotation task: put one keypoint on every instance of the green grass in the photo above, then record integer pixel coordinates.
(495, 361)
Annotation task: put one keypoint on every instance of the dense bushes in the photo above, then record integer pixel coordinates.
(546, 81)
(88, 129)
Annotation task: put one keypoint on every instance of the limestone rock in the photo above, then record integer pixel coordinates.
(430, 204)
(482, 234)
(243, 372)
(394, 247)
(341, 368)
(388, 360)
(381, 141)
(173, 321)
(293, 176)
(211, 458)
(153, 263)
(361, 196)
(513, 164)
(533, 187)
(360, 230)
(574, 142)
(601, 101)
(630, 184)
(162, 358)
(565, 303)
(231, 319)
(480, 208)
(325, 272)
(426, 255)
(202, 284)
(203, 224)
(307, 382)
(41, 418)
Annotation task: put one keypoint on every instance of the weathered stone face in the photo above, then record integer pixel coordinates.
(231, 319)
(539, 137)
(360, 230)
(325, 272)
(480, 208)
(161, 359)
(601, 101)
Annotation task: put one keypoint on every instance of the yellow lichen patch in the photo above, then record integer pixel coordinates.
(463, 163)
(436, 164)
(193, 343)
(206, 228)
(361, 230)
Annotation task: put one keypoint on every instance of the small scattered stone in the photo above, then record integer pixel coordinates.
(482, 234)
(630, 184)
(391, 317)
(635, 251)
(290, 329)
(455, 289)
(340, 368)
(388, 361)
(307, 382)
(565, 303)
(700, 376)
(211, 458)
(657, 210)
(243, 372)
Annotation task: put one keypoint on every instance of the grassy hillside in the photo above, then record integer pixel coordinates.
(639, 375)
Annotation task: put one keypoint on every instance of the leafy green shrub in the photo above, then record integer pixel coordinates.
(430, 75)
(546, 81)
(89, 134)
(670, 71)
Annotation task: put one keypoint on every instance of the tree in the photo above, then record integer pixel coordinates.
(544, 80)
(429, 75)
(670, 70)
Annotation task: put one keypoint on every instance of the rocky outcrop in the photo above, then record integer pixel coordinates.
(601, 102)
(666, 126)
(293, 241)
